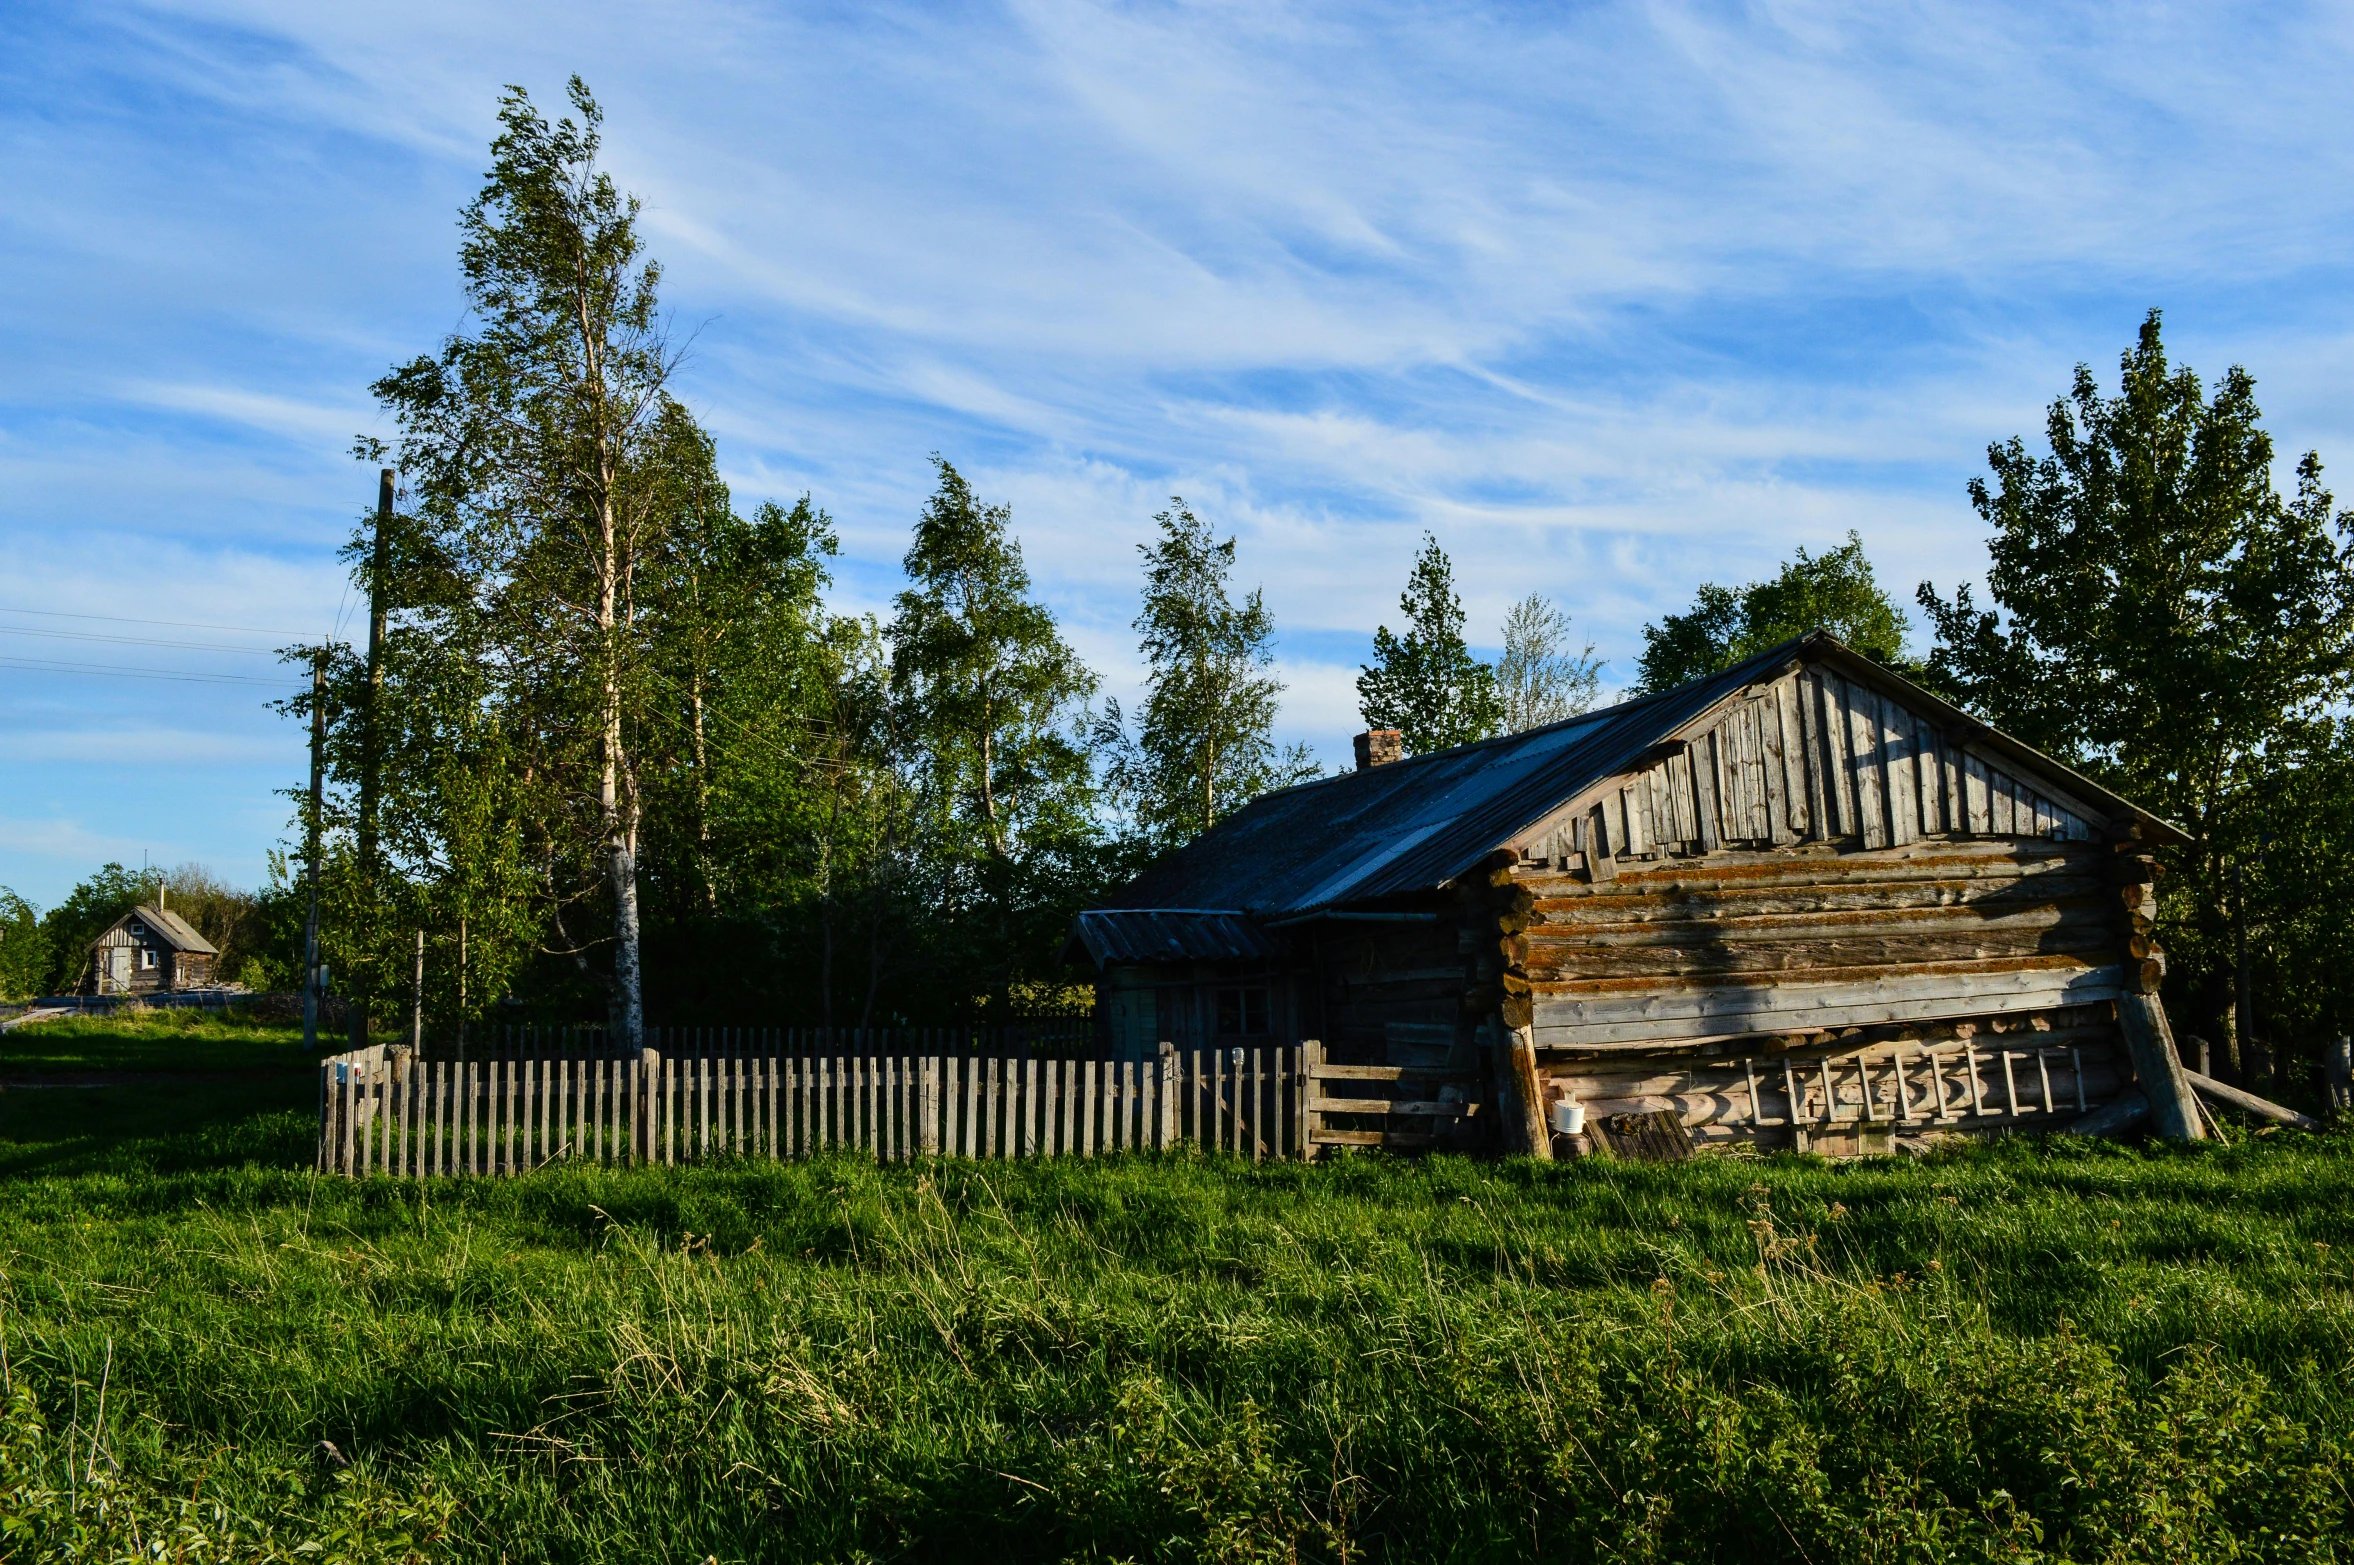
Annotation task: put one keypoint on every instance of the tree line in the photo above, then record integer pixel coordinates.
(612, 751)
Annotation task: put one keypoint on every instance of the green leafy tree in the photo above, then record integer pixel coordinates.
(2296, 880)
(1205, 744)
(1834, 591)
(24, 948)
(535, 444)
(1425, 683)
(225, 915)
(2167, 619)
(1542, 678)
(988, 711)
(745, 864)
(84, 915)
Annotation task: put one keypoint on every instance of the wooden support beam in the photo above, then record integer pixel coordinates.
(1523, 1105)
(2164, 1082)
(2220, 1092)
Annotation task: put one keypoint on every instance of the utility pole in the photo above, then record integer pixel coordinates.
(310, 924)
(371, 741)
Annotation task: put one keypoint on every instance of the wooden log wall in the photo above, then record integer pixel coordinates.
(383, 1111)
(1809, 938)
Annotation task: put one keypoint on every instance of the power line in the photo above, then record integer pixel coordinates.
(179, 624)
(47, 665)
(135, 641)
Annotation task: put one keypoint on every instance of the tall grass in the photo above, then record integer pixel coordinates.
(2020, 1353)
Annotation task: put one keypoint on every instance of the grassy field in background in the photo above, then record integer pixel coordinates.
(2024, 1352)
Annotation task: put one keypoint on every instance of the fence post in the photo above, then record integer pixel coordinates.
(2340, 1071)
(1304, 1116)
(642, 1107)
(1164, 1130)
(928, 1125)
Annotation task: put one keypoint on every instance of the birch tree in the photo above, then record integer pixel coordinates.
(1834, 591)
(532, 445)
(1542, 676)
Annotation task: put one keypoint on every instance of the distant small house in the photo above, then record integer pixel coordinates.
(146, 951)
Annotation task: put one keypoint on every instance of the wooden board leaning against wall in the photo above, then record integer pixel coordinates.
(1824, 920)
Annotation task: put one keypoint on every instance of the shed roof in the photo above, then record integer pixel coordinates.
(1168, 935)
(1416, 824)
(174, 930)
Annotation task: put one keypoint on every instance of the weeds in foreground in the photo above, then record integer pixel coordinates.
(2018, 1353)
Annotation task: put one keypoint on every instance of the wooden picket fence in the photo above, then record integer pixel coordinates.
(384, 1111)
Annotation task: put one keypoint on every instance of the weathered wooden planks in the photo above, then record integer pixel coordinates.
(384, 1112)
(1815, 757)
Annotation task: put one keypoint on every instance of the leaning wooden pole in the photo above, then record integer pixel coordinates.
(1525, 1129)
(2174, 1108)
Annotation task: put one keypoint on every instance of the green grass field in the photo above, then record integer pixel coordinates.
(2065, 1352)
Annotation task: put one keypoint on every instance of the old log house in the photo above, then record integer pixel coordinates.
(1800, 903)
(149, 950)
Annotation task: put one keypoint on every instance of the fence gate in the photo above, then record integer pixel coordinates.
(1401, 1107)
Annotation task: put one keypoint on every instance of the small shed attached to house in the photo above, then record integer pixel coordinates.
(1802, 902)
(149, 950)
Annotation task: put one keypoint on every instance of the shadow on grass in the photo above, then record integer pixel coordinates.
(157, 1126)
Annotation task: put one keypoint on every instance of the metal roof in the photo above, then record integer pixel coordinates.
(1416, 824)
(174, 930)
(1168, 935)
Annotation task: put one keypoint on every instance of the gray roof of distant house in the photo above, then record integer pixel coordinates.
(1416, 824)
(175, 931)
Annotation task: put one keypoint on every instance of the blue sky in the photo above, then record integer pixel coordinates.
(1613, 298)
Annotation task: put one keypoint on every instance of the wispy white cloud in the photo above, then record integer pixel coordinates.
(1613, 298)
(163, 746)
(290, 418)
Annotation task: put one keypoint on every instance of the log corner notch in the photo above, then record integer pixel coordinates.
(1495, 910)
(2149, 1041)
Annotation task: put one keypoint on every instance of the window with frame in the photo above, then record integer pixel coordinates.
(1242, 1013)
(147, 959)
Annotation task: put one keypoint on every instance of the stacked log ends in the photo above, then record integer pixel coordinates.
(1497, 910)
(2136, 873)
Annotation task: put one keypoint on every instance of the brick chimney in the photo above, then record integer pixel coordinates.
(1379, 747)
